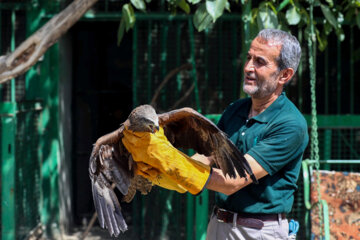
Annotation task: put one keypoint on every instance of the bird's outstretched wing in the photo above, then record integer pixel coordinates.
(105, 200)
(109, 164)
(186, 128)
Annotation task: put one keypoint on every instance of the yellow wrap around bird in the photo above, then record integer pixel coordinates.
(163, 164)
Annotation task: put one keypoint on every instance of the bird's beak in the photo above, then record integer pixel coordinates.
(154, 129)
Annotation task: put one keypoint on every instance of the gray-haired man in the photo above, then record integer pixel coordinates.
(272, 134)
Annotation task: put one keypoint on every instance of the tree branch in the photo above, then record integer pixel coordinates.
(29, 52)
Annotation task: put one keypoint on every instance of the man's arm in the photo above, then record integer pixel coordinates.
(219, 183)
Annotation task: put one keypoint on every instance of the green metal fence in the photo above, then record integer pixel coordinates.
(29, 130)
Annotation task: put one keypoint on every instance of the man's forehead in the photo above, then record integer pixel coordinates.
(262, 46)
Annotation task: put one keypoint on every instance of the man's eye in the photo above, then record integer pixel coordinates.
(260, 61)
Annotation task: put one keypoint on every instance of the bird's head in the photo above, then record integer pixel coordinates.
(144, 119)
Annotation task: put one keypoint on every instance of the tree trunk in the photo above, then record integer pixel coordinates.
(29, 52)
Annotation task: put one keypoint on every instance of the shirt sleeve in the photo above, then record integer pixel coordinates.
(284, 143)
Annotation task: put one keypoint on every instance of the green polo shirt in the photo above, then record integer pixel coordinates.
(276, 138)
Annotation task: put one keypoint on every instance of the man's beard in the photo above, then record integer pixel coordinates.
(262, 88)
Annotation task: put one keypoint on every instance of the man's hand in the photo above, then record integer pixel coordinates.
(156, 151)
(157, 178)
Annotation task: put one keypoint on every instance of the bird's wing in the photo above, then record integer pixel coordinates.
(186, 128)
(105, 200)
(110, 163)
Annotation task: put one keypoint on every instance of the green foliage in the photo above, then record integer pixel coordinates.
(293, 16)
(266, 17)
(215, 8)
(202, 18)
(127, 21)
(264, 14)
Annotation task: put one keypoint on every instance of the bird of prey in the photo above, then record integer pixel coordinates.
(111, 163)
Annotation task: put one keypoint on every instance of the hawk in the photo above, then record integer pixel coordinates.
(111, 163)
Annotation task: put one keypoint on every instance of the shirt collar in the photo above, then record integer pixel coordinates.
(269, 112)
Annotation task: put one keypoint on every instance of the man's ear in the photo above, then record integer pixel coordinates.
(286, 75)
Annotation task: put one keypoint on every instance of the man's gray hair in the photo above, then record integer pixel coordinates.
(290, 52)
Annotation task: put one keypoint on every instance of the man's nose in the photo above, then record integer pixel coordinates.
(249, 66)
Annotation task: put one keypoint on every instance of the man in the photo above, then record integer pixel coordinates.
(267, 128)
(272, 134)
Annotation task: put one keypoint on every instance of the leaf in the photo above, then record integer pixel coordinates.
(340, 18)
(266, 17)
(139, 4)
(129, 16)
(215, 8)
(184, 6)
(292, 16)
(327, 28)
(227, 6)
(358, 20)
(321, 40)
(121, 31)
(330, 2)
(202, 18)
(340, 34)
(194, 1)
(329, 16)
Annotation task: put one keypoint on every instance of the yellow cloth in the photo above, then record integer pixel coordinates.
(156, 151)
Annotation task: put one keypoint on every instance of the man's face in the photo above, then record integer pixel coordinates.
(261, 73)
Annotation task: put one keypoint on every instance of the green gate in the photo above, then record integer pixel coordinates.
(29, 128)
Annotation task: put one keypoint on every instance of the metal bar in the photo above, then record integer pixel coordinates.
(134, 67)
(178, 56)
(234, 60)
(192, 59)
(90, 16)
(149, 59)
(49, 141)
(326, 68)
(325, 210)
(338, 76)
(335, 161)
(352, 78)
(189, 217)
(306, 181)
(8, 212)
(206, 74)
(300, 74)
(163, 61)
(327, 146)
(336, 121)
(219, 86)
(201, 213)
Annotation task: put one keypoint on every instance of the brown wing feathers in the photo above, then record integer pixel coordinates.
(186, 128)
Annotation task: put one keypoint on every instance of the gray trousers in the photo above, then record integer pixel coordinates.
(228, 231)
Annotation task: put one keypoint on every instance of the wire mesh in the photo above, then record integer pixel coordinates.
(216, 66)
(28, 173)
